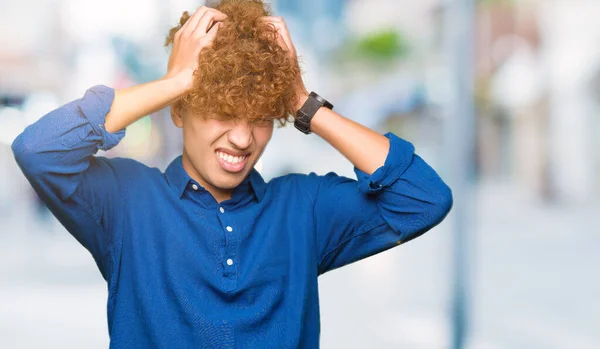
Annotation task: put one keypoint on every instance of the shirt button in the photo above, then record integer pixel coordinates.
(230, 261)
(222, 209)
(195, 187)
(229, 229)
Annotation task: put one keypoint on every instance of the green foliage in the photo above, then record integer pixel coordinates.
(382, 45)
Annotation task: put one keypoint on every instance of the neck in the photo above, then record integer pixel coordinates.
(219, 194)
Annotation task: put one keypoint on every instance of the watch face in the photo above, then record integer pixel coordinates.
(321, 100)
(318, 98)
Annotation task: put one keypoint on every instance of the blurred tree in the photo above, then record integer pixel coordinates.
(383, 45)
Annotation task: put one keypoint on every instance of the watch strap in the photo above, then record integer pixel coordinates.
(305, 114)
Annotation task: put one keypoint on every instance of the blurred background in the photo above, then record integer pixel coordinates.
(501, 97)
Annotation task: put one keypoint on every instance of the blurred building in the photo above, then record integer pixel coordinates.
(538, 115)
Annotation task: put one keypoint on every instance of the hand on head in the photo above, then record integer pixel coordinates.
(251, 65)
(195, 33)
(285, 41)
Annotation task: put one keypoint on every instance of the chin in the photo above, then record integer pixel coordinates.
(230, 180)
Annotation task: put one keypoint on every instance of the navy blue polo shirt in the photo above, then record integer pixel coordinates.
(184, 271)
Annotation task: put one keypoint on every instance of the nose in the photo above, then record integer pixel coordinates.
(240, 135)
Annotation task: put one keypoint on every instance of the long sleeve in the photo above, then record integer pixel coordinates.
(56, 154)
(401, 200)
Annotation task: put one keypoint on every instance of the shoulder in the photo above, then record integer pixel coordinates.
(303, 184)
(122, 164)
(124, 170)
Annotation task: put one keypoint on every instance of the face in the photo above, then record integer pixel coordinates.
(219, 154)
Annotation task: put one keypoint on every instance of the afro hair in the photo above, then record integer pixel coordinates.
(244, 73)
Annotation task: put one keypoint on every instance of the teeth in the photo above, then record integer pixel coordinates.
(231, 159)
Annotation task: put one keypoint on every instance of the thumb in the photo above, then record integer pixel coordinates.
(213, 31)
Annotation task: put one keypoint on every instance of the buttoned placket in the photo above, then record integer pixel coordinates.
(229, 262)
(229, 258)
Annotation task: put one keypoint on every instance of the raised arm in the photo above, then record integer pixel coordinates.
(130, 104)
(56, 153)
(68, 136)
(396, 198)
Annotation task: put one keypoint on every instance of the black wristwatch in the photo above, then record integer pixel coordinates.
(308, 110)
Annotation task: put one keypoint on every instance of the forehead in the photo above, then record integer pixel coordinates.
(229, 121)
(241, 114)
(238, 117)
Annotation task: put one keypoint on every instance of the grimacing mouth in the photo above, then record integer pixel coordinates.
(240, 156)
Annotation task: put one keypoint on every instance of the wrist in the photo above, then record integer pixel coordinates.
(308, 111)
(180, 82)
(302, 97)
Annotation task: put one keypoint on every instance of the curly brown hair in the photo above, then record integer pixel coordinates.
(245, 73)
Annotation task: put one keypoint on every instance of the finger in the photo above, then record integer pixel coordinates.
(281, 29)
(279, 37)
(285, 34)
(282, 42)
(282, 37)
(212, 33)
(208, 19)
(271, 18)
(191, 23)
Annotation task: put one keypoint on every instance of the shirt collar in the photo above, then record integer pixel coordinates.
(179, 179)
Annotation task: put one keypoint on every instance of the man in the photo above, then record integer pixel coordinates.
(206, 254)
